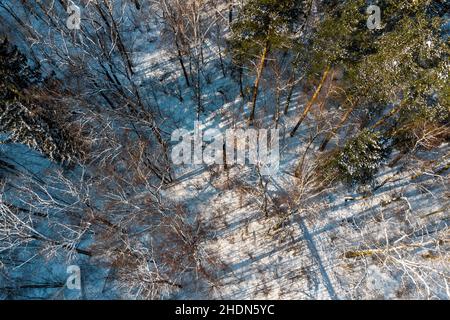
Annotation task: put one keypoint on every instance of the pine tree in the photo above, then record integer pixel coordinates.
(409, 74)
(402, 67)
(339, 40)
(359, 159)
(262, 27)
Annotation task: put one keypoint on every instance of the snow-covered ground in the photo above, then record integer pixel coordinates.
(389, 241)
(306, 259)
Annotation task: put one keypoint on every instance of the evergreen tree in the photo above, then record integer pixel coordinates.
(262, 27)
(402, 66)
(409, 73)
(339, 40)
(359, 159)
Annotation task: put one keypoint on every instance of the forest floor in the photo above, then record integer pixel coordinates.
(342, 243)
(388, 240)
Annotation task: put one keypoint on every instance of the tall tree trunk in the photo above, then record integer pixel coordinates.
(290, 92)
(262, 63)
(115, 36)
(311, 101)
(230, 12)
(224, 157)
(198, 90)
(222, 66)
(277, 106)
(183, 67)
(241, 82)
